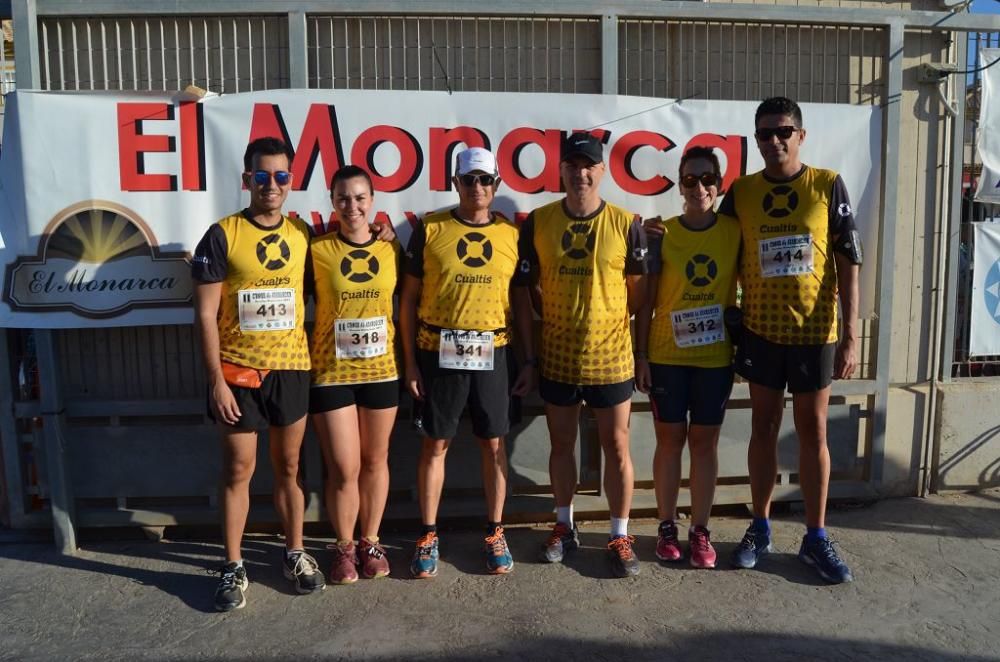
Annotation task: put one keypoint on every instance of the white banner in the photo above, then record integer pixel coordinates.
(984, 336)
(988, 136)
(104, 195)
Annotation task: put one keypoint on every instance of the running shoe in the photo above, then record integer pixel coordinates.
(232, 585)
(373, 561)
(668, 548)
(702, 553)
(344, 569)
(754, 545)
(302, 569)
(821, 555)
(624, 562)
(563, 539)
(498, 558)
(425, 557)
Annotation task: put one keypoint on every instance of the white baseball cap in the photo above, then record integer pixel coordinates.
(475, 158)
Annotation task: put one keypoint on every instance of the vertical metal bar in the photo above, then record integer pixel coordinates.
(104, 52)
(135, 61)
(263, 54)
(892, 115)
(76, 57)
(953, 224)
(236, 54)
(118, 53)
(57, 460)
(163, 59)
(10, 446)
(59, 52)
(609, 54)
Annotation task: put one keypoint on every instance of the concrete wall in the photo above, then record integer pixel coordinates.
(968, 435)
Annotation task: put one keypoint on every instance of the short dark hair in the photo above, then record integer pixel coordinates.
(779, 106)
(266, 147)
(700, 152)
(350, 172)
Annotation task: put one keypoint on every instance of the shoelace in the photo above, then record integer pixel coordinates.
(559, 532)
(228, 578)
(668, 532)
(304, 565)
(828, 553)
(497, 543)
(425, 545)
(622, 546)
(699, 541)
(749, 541)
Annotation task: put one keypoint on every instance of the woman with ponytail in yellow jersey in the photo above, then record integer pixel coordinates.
(683, 354)
(355, 385)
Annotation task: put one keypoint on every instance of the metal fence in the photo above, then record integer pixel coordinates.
(963, 363)
(96, 383)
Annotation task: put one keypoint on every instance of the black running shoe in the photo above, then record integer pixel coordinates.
(821, 555)
(624, 562)
(302, 569)
(232, 584)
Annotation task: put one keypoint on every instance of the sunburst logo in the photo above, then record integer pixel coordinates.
(98, 259)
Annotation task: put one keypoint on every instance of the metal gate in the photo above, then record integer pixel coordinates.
(112, 430)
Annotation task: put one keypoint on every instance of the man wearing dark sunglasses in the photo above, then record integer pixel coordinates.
(454, 323)
(249, 311)
(586, 259)
(800, 251)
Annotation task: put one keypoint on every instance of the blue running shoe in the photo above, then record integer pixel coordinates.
(425, 557)
(754, 545)
(498, 558)
(821, 555)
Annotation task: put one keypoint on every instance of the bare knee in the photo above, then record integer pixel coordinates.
(239, 470)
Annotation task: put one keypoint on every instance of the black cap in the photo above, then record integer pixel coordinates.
(582, 144)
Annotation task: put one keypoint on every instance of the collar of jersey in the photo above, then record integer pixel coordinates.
(454, 215)
(592, 215)
(347, 241)
(784, 180)
(680, 220)
(246, 214)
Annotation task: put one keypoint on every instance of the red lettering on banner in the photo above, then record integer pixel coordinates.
(442, 152)
(620, 162)
(411, 158)
(509, 154)
(133, 143)
(320, 138)
(732, 146)
(192, 134)
(411, 218)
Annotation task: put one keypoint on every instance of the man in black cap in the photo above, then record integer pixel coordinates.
(586, 259)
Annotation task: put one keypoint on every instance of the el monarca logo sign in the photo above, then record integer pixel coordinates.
(98, 259)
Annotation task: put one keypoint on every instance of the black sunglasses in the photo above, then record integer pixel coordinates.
(783, 132)
(706, 178)
(263, 177)
(484, 180)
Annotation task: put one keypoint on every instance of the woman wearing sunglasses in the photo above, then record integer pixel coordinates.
(355, 386)
(683, 355)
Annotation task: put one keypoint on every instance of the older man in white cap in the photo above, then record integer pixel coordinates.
(455, 325)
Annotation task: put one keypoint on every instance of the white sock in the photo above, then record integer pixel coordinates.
(564, 514)
(239, 563)
(619, 526)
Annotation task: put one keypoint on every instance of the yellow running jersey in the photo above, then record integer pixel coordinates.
(466, 271)
(787, 270)
(262, 271)
(697, 280)
(580, 265)
(353, 338)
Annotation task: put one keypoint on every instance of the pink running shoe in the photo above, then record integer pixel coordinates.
(372, 558)
(702, 552)
(345, 563)
(667, 546)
